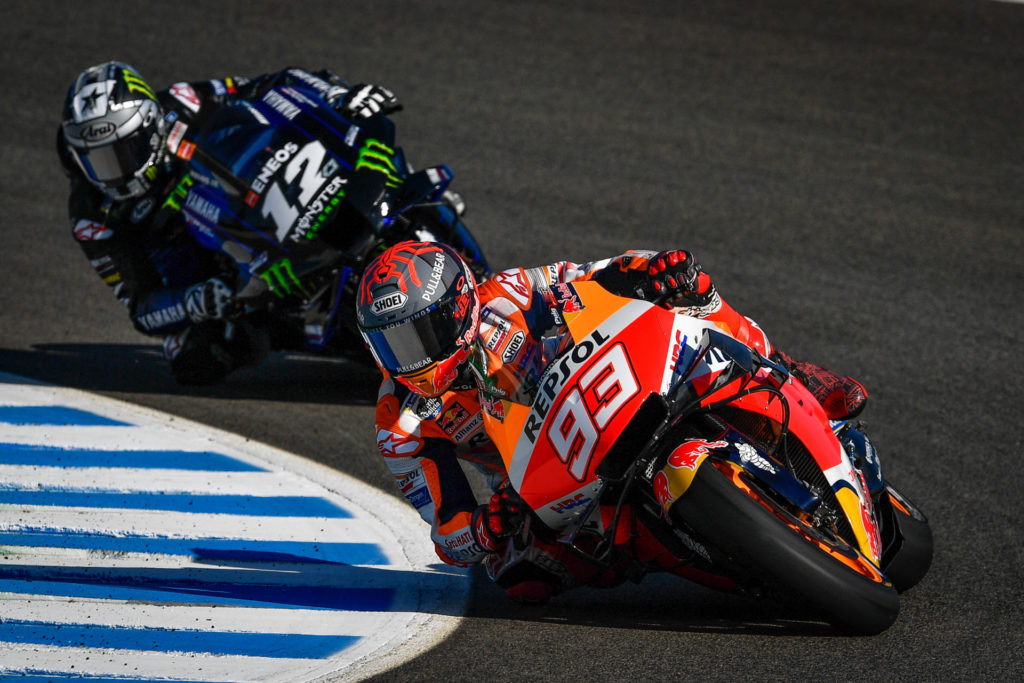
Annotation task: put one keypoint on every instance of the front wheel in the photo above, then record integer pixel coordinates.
(765, 540)
(907, 539)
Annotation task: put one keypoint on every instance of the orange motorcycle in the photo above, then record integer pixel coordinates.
(655, 436)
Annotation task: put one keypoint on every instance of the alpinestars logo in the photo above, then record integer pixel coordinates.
(392, 444)
(516, 284)
(88, 231)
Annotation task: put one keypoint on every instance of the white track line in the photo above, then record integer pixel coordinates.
(141, 592)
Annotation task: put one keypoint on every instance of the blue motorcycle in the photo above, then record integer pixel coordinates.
(296, 199)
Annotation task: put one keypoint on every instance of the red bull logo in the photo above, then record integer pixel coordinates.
(567, 297)
(690, 453)
(453, 418)
(677, 474)
(662, 491)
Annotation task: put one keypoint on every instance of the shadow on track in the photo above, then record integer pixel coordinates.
(660, 603)
(299, 585)
(141, 369)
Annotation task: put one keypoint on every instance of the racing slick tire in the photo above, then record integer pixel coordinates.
(907, 539)
(763, 539)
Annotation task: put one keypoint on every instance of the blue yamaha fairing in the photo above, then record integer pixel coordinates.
(299, 198)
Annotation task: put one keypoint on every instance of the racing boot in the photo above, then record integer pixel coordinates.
(842, 397)
(207, 352)
(542, 569)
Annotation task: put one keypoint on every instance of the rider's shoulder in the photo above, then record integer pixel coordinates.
(188, 98)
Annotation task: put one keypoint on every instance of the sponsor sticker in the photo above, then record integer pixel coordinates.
(198, 207)
(409, 481)
(185, 150)
(174, 138)
(184, 93)
(498, 334)
(281, 105)
(514, 282)
(98, 131)
(567, 297)
(391, 444)
(89, 231)
(690, 453)
(469, 428)
(388, 302)
(419, 497)
(142, 209)
(453, 418)
(515, 344)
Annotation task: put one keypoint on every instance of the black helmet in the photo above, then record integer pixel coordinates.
(419, 313)
(113, 125)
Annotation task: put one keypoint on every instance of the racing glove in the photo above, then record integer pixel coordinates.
(503, 517)
(365, 101)
(210, 300)
(675, 274)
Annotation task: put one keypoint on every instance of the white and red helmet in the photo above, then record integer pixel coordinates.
(419, 313)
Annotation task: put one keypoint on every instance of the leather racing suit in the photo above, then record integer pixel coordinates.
(425, 441)
(140, 246)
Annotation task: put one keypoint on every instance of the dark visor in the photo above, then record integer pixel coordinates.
(119, 161)
(419, 341)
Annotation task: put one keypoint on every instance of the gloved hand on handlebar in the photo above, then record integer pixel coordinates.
(503, 517)
(209, 300)
(365, 100)
(675, 274)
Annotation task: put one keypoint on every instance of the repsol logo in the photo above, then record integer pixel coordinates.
(555, 377)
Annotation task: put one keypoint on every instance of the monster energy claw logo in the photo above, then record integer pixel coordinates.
(136, 84)
(377, 156)
(281, 278)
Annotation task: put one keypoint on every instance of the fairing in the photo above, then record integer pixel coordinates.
(289, 188)
(622, 352)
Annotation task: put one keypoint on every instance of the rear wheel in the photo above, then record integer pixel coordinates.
(763, 539)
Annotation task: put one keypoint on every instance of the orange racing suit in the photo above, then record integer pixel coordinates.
(426, 441)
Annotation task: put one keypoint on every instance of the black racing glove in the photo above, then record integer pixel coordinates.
(675, 274)
(503, 517)
(364, 101)
(210, 300)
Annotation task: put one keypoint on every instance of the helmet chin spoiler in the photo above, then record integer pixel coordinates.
(422, 381)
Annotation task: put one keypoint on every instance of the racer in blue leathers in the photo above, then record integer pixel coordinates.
(124, 148)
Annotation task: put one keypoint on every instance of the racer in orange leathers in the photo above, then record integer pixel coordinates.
(429, 425)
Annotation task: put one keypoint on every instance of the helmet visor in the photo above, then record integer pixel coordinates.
(419, 341)
(118, 162)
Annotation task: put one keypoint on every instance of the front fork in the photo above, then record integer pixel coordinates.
(859, 507)
(862, 454)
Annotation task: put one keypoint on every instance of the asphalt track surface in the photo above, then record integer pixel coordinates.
(849, 173)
